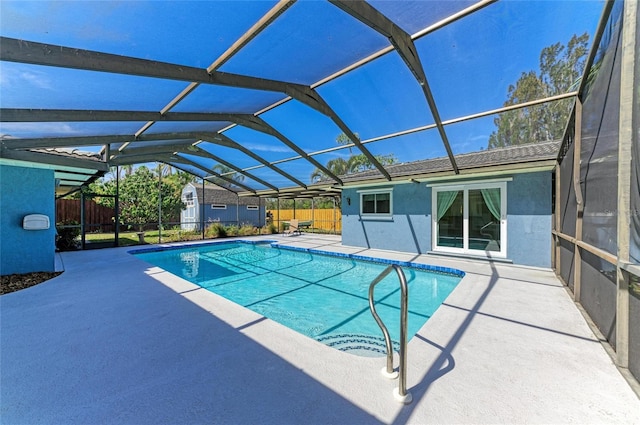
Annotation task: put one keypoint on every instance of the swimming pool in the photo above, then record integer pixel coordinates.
(319, 295)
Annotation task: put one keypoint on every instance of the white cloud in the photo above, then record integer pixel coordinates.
(28, 129)
(36, 79)
(15, 76)
(267, 148)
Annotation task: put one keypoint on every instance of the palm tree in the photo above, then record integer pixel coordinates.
(354, 164)
(338, 166)
(164, 169)
(228, 172)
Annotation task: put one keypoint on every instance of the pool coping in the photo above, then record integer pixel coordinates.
(140, 345)
(277, 244)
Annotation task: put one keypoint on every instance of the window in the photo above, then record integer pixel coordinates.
(218, 207)
(190, 210)
(376, 203)
(188, 200)
(252, 207)
(470, 218)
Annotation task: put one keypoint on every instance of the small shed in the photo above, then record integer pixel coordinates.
(213, 204)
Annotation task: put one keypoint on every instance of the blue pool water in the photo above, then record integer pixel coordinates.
(322, 296)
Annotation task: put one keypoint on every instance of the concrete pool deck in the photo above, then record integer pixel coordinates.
(116, 340)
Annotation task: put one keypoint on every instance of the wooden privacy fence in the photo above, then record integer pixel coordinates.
(329, 220)
(97, 217)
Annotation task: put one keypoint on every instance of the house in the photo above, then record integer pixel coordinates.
(214, 204)
(30, 180)
(499, 206)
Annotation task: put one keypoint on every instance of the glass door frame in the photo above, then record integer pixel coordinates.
(465, 188)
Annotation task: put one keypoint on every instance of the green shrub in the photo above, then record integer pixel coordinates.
(215, 230)
(67, 233)
(233, 230)
(247, 230)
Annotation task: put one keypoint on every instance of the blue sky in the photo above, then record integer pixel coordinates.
(469, 65)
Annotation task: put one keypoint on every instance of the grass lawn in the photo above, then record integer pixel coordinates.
(150, 236)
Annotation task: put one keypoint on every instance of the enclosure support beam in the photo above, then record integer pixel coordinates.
(557, 222)
(35, 53)
(405, 47)
(203, 153)
(45, 158)
(226, 141)
(258, 124)
(577, 144)
(208, 170)
(628, 90)
(258, 27)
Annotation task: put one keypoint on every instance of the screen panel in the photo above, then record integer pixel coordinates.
(600, 134)
(320, 40)
(380, 97)
(43, 87)
(471, 74)
(200, 31)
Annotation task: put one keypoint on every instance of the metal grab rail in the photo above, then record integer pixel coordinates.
(401, 393)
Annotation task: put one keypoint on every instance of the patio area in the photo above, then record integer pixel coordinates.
(115, 340)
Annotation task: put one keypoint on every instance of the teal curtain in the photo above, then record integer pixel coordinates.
(445, 200)
(492, 199)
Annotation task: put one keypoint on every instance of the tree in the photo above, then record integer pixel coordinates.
(354, 164)
(560, 71)
(338, 166)
(229, 173)
(139, 198)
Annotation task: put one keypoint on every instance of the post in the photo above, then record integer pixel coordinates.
(202, 210)
(558, 222)
(625, 137)
(82, 220)
(117, 206)
(159, 203)
(335, 230)
(577, 146)
(312, 212)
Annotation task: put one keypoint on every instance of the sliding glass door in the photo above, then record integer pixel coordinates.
(470, 219)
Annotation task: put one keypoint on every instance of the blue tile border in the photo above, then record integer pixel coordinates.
(275, 244)
(174, 247)
(426, 267)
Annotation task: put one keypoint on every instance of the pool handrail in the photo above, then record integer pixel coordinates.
(400, 393)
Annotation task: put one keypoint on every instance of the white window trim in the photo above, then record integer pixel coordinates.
(253, 207)
(218, 207)
(487, 184)
(377, 216)
(189, 202)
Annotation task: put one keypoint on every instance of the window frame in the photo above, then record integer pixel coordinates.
(376, 214)
(253, 207)
(465, 188)
(218, 206)
(189, 200)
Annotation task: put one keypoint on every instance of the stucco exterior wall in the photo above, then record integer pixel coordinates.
(409, 229)
(529, 219)
(26, 191)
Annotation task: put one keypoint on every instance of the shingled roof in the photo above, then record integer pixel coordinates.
(216, 195)
(526, 155)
